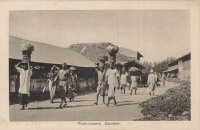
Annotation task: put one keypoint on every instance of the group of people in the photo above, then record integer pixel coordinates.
(109, 79)
(63, 79)
(155, 80)
(161, 80)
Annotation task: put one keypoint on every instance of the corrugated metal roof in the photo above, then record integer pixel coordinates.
(92, 51)
(170, 70)
(46, 53)
(179, 58)
(129, 52)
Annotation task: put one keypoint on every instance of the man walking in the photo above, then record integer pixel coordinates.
(24, 89)
(101, 83)
(112, 78)
(63, 74)
(152, 82)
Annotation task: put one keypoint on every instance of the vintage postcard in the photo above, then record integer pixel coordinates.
(99, 65)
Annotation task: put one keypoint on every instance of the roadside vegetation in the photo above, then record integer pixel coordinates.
(174, 104)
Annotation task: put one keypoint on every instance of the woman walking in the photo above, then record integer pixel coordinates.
(52, 82)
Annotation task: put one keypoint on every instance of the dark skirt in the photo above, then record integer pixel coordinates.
(62, 92)
(23, 99)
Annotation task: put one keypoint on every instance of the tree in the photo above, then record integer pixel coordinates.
(158, 66)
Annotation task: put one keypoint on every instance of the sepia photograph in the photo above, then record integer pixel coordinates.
(99, 65)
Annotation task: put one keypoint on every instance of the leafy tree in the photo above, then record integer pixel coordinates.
(158, 66)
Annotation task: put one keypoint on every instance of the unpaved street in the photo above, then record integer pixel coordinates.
(83, 108)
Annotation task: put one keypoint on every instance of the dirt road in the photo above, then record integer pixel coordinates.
(83, 108)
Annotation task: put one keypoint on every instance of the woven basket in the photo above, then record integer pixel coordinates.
(27, 47)
(105, 58)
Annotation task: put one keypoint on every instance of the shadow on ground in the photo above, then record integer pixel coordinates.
(41, 108)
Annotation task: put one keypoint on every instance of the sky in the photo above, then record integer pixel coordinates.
(156, 34)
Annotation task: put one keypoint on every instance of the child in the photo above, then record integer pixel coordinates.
(134, 84)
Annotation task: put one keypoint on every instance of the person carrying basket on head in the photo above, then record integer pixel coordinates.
(101, 88)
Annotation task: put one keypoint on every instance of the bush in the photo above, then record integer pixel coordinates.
(174, 101)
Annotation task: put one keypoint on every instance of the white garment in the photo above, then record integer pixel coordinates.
(52, 89)
(111, 92)
(133, 82)
(152, 78)
(25, 76)
(50, 84)
(112, 76)
(123, 78)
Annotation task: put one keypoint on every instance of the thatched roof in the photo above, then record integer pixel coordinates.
(92, 51)
(45, 53)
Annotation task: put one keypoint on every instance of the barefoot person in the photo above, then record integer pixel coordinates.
(101, 83)
(52, 82)
(72, 83)
(134, 84)
(123, 79)
(112, 78)
(152, 82)
(24, 89)
(162, 80)
(63, 74)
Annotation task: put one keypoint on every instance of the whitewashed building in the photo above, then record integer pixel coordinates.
(180, 68)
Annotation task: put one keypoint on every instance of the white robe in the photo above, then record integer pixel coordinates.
(25, 76)
(152, 81)
(112, 81)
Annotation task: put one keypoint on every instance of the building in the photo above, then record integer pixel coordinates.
(44, 57)
(92, 51)
(180, 68)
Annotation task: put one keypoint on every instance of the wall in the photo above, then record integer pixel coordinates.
(180, 69)
(38, 85)
(87, 84)
(87, 76)
(83, 84)
(184, 69)
(173, 67)
(186, 65)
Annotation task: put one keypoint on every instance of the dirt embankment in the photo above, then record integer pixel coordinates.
(174, 104)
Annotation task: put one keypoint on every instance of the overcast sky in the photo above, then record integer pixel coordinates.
(155, 34)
